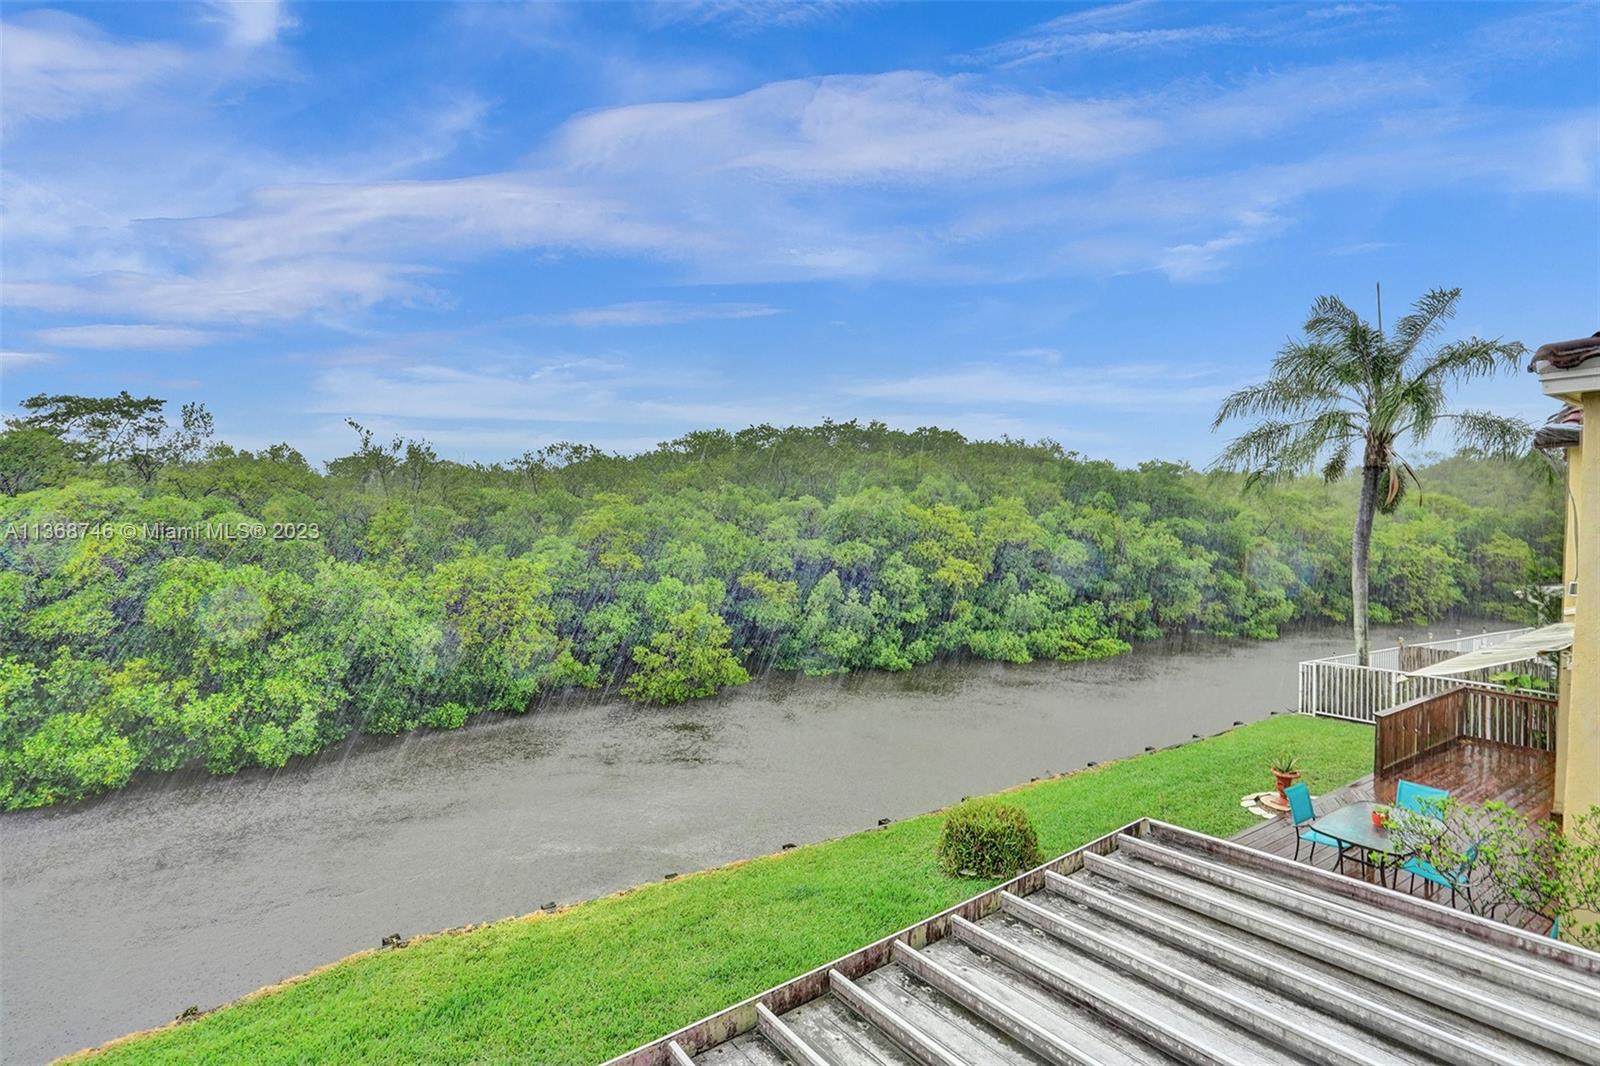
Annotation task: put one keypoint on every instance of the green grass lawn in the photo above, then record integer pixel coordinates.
(594, 980)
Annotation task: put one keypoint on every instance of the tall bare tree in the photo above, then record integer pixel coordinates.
(1348, 390)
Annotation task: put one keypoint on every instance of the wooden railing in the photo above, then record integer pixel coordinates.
(1416, 656)
(1413, 729)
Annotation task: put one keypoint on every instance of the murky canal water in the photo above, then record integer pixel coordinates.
(186, 889)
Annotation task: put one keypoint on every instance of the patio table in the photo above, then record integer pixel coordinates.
(1351, 825)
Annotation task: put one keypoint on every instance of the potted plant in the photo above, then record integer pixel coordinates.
(1380, 817)
(1286, 771)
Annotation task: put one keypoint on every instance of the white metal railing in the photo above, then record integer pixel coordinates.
(1337, 687)
(1388, 658)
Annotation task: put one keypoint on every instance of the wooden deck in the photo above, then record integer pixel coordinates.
(1475, 771)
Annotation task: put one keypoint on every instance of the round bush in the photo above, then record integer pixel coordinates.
(986, 838)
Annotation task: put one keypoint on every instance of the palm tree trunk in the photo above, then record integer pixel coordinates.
(1360, 554)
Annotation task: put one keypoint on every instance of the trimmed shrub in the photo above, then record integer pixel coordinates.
(987, 838)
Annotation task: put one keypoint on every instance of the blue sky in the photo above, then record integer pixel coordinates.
(497, 226)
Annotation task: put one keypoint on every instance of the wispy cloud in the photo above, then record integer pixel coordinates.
(126, 336)
(17, 360)
(297, 250)
(54, 65)
(749, 15)
(1055, 43)
(250, 23)
(1042, 353)
(896, 175)
(1360, 248)
(1146, 26)
(1070, 386)
(1109, 28)
(899, 127)
(542, 394)
(656, 313)
(434, 391)
(1326, 12)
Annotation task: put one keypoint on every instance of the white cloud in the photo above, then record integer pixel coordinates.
(1360, 248)
(560, 393)
(1193, 262)
(1054, 43)
(1000, 383)
(54, 65)
(57, 66)
(593, 396)
(17, 360)
(1109, 28)
(1145, 26)
(1042, 353)
(250, 23)
(246, 292)
(509, 409)
(900, 175)
(126, 336)
(1346, 11)
(464, 214)
(657, 313)
(332, 249)
(747, 14)
(903, 126)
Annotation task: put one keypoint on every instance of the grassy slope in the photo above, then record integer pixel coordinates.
(601, 977)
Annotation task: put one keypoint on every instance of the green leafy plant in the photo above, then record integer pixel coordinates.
(1513, 679)
(1285, 763)
(434, 591)
(987, 838)
(1525, 873)
(689, 660)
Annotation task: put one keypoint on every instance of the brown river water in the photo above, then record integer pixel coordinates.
(187, 890)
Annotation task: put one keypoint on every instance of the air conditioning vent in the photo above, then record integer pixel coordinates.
(1572, 588)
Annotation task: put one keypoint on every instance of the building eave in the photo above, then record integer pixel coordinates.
(1571, 385)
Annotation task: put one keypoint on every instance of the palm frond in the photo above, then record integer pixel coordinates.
(1413, 408)
(1428, 316)
(1331, 319)
(1276, 449)
(1338, 462)
(1302, 380)
(1472, 358)
(1499, 436)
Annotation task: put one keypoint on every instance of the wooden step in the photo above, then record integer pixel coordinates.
(1354, 1000)
(1498, 1005)
(1222, 995)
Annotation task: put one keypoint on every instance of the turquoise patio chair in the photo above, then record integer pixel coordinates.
(1302, 813)
(1411, 796)
(1458, 881)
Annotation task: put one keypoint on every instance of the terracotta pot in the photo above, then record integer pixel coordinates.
(1284, 781)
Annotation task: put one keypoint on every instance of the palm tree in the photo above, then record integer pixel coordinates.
(1348, 386)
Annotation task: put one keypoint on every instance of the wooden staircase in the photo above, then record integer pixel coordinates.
(1162, 945)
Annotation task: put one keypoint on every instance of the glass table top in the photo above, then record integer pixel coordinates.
(1352, 825)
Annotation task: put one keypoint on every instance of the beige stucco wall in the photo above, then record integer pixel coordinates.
(1578, 729)
(1569, 611)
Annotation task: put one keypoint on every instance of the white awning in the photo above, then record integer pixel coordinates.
(1523, 646)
